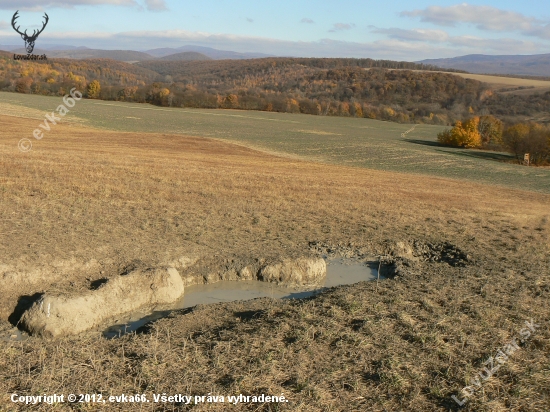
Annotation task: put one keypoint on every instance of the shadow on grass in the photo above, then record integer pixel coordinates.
(495, 156)
(425, 142)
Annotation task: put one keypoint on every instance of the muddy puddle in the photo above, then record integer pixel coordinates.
(339, 272)
(12, 335)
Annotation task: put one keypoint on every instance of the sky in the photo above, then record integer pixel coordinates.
(397, 30)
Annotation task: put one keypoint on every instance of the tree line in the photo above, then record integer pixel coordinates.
(491, 133)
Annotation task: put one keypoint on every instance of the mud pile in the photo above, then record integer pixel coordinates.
(53, 316)
(302, 271)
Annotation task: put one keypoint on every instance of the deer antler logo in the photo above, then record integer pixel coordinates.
(29, 40)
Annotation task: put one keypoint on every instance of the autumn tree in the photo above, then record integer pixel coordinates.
(537, 144)
(231, 101)
(490, 128)
(357, 109)
(463, 134)
(292, 106)
(522, 138)
(93, 90)
(165, 97)
(513, 138)
(23, 85)
(127, 93)
(474, 132)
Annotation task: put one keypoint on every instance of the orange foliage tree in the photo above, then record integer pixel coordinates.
(463, 134)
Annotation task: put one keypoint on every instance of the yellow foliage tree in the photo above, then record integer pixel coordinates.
(94, 88)
(358, 110)
(490, 129)
(293, 106)
(231, 101)
(344, 109)
(463, 134)
(389, 112)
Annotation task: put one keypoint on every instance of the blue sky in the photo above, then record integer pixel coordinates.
(346, 28)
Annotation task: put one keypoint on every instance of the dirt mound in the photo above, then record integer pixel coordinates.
(52, 316)
(301, 271)
(291, 271)
(418, 251)
(441, 252)
(404, 257)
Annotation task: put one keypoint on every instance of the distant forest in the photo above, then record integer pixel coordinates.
(330, 87)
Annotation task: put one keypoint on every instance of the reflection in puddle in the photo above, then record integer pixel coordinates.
(339, 272)
(13, 335)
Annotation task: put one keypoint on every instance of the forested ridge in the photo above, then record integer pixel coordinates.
(378, 89)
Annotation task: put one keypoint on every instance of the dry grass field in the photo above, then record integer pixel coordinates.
(87, 203)
(511, 85)
(362, 143)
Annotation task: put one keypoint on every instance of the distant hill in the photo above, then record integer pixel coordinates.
(63, 47)
(185, 53)
(207, 51)
(186, 56)
(535, 65)
(83, 53)
(45, 47)
(8, 47)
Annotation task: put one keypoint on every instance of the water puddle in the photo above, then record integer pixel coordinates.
(339, 272)
(13, 335)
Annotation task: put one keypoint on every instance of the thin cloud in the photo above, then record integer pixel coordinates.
(37, 5)
(413, 35)
(502, 45)
(248, 19)
(156, 5)
(4, 25)
(483, 17)
(306, 20)
(539, 31)
(341, 27)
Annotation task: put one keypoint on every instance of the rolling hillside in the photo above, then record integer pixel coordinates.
(535, 65)
(326, 87)
(186, 56)
(207, 51)
(184, 53)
